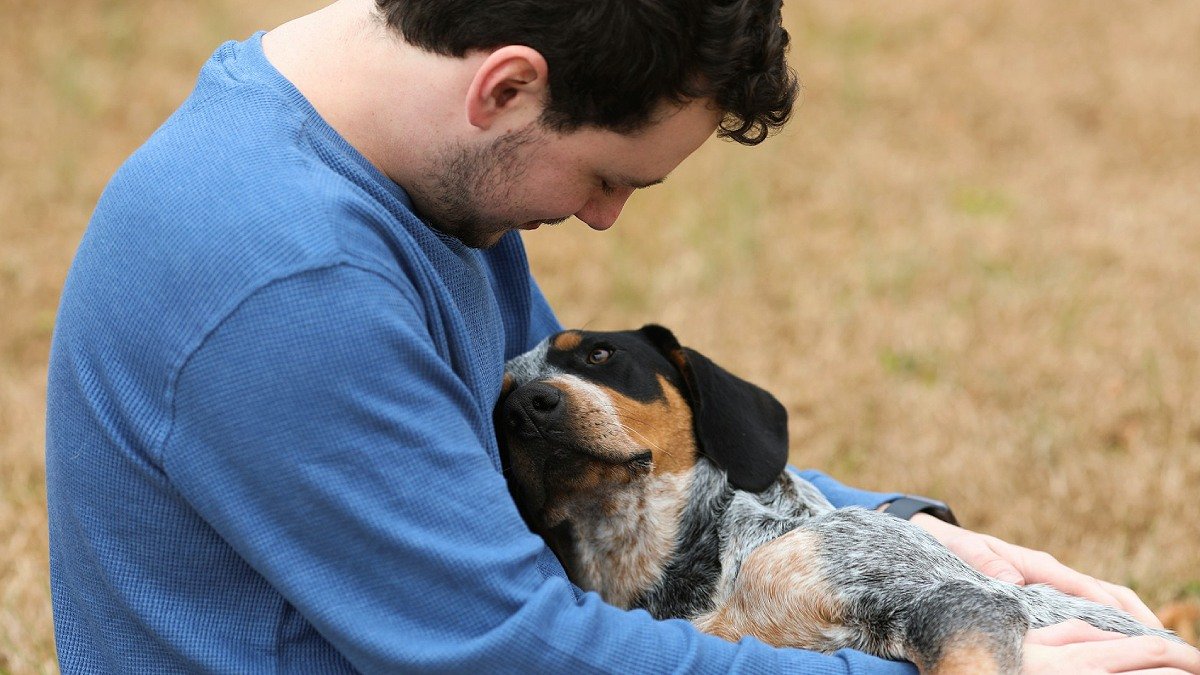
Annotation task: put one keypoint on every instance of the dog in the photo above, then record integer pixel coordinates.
(659, 479)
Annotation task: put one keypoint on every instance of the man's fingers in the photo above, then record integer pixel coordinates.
(1000, 569)
(981, 556)
(1042, 568)
(1018, 565)
(1076, 647)
(1142, 653)
(1069, 632)
(1131, 603)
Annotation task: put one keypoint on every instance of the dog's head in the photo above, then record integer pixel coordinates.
(586, 416)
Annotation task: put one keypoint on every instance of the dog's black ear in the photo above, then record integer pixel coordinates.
(740, 426)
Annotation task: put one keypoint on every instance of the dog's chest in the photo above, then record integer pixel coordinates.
(629, 539)
(719, 530)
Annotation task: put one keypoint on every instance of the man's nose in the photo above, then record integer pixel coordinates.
(602, 211)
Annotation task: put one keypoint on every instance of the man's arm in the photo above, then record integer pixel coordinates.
(542, 321)
(840, 495)
(332, 447)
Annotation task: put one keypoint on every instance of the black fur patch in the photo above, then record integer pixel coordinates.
(632, 369)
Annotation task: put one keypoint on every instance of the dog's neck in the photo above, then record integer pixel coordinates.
(620, 542)
(673, 543)
(724, 526)
(690, 580)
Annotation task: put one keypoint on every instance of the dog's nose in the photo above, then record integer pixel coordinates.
(531, 407)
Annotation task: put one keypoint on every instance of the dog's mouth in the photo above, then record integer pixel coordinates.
(547, 490)
(554, 450)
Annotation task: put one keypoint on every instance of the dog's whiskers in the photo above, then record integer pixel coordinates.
(635, 432)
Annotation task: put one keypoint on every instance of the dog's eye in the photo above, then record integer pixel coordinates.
(599, 355)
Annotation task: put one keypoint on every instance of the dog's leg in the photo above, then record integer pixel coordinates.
(960, 627)
(1047, 606)
(853, 579)
(781, 597)
(788, 595)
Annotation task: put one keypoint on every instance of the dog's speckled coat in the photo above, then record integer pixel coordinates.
(658, 478)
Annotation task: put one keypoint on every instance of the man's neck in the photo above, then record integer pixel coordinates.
(381, 94)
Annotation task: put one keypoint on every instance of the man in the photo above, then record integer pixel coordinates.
(269, 442)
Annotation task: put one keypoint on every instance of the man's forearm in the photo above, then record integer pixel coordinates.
(840, 495)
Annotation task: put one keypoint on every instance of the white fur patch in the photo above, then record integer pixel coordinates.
(623, 550)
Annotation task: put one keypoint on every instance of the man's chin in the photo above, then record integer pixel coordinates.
(473, 236)
(486, 239)
(491, 241)
(493, 237)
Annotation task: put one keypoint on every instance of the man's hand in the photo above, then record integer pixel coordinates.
(1075, 647)
(1019, 565)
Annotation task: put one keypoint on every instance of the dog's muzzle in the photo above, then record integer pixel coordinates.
(534, 410)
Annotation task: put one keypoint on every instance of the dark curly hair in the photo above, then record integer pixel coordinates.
(612, 62)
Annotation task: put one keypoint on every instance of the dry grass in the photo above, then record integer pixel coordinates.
(970, 268)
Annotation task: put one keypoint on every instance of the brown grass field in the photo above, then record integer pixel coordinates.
(970, 267)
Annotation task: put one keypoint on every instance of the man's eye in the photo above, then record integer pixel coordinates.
(599, 355)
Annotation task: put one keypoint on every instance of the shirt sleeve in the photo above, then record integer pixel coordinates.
(321, 432)
(840, 495)
(542, 321)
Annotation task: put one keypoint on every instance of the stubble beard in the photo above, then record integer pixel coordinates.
(465, 182)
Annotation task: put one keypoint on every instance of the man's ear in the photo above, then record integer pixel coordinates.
(510, 85)
(740, 426)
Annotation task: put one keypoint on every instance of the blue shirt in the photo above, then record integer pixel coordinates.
(269, 438)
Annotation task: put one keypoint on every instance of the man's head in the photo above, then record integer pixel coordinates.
(576, 103)
(614, 63)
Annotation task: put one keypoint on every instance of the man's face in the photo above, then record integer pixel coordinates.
(530, 176)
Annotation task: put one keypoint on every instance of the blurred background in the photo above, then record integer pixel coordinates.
(970, 267)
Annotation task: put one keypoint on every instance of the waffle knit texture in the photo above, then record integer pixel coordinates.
(269, 433)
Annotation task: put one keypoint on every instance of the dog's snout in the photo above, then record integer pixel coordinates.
(545, 399)
(531, 407)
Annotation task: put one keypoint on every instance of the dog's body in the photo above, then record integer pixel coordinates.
(659, 480)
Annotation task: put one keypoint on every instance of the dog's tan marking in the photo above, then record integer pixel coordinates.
(663, 427)
(594, 423)
(781, 597)
(625, 519)
(964, 656)
(567, 341)
(679, 360)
